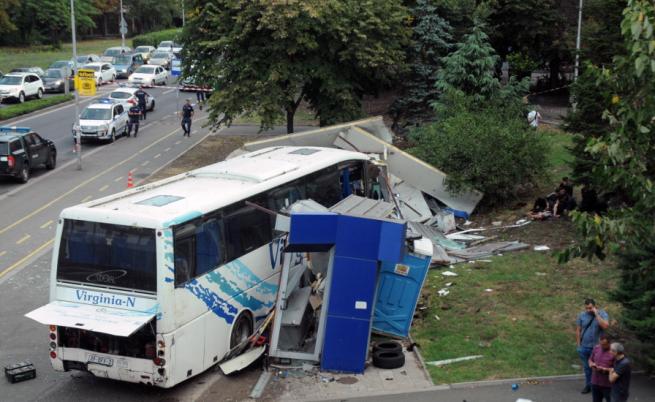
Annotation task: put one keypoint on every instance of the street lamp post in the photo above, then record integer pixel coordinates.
(183, 17)
(577, 43)
(78, 135)
(122, 26)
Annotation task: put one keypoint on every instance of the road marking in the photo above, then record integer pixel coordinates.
(168, 91)
(23, 239)
(2, 253)
(87, 198)
(156, 156)
(27, 257)
(48, 223)
(116, 180)
(134, 170)
(103, 188)
(167, 149)
(145, 163)
(87, 181)
(177, 142)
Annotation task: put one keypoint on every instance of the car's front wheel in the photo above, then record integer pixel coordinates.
(39, 94)
(113, 78)
(52, 161)
(21, 97)
(113, 135)
(152, 106)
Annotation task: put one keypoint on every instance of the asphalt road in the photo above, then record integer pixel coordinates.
(27, 224)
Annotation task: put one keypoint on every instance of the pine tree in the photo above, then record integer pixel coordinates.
(470, 70)
(431, 40)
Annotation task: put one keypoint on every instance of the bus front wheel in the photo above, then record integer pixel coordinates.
(241, 330)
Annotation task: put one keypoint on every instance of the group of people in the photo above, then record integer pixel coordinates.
(607, 370)
(555, 204)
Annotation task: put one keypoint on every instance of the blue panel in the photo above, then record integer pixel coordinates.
(358, 237)
(398, 294)
(313, 228)
(345, 345)
(392, 241)
(353, 280)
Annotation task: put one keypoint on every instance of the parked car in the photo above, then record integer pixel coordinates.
(166, 45)
(67, 64)
(145, 52)
(55, 80)
(103, 120)
(21, 150)
(126, 97)
(110, 53)
(161, 58)
(86, 59)
(35, 70)
(104, 72)
(20, 86)
(149, 75)
(125, 64)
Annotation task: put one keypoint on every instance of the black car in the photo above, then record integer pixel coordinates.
(54, 80)
(21, 150)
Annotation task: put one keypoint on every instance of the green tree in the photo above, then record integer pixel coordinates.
(601, 31)
(6, 25)
(470, 70)
(267, 57)
(152, 15)
(431, 40)
(626, 169)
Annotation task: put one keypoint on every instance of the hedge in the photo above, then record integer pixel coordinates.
(28, 107)
(153, 38)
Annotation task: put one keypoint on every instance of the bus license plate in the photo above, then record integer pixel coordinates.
(105, 361)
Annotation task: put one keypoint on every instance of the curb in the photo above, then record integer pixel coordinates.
(475, 384)
(417, 352)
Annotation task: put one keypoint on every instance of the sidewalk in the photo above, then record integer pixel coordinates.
(555, 389)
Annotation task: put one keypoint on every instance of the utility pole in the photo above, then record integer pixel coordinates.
(577, 43)
(78, 132)
(183, 17)
(123, 27)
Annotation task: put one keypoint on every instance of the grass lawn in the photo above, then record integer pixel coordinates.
(43, 56)
(23, 108)
(524, 325)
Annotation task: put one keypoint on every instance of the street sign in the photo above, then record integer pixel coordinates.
(85, 82)
(176, 67)
(123, 26)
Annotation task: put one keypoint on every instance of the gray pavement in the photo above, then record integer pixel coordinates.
(544, 390)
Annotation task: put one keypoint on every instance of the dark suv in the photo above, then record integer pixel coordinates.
(21, 150)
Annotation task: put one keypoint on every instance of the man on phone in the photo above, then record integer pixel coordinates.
(590, 324)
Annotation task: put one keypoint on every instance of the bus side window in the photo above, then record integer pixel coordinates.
(286, 195)
(323, 186)
(209, 246)
(246, 228)
(184, 259)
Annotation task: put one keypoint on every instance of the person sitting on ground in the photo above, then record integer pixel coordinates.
(562, 205)
(567, 185)
(543, 207)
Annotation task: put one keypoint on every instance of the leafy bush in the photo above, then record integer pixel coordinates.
(486, 146)
(521, 65)
(153, 38)
(31, 106)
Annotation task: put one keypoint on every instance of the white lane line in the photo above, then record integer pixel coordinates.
(168, 91)
(156, 156)
(48, 223)
(167, 149)
(23, 239)
(116, 180)
(103, 188)
(145, 163)
(177, 142)
(87, 198)
(134, 170)
(2, 253)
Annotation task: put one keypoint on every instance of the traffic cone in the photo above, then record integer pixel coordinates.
(130, 182)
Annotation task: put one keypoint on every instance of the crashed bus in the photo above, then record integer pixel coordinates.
(156, 284)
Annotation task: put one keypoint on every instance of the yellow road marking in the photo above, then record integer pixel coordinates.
(48, 223)
(103, 188)
(27, 257)
(116, 180)
(23, 239)
(156, 156)
(3, 253)
(87, 198)
(145, 163)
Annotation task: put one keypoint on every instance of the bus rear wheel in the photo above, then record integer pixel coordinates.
(241, 330)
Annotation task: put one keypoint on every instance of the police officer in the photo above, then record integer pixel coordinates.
(187, 113)
(200, 94)
(134, 114)
(141, 96)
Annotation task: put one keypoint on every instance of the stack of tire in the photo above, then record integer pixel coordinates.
(388, 355)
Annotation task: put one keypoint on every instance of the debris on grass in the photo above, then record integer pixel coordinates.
(440, 363)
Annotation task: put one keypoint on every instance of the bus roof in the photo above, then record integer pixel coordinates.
(183, 197)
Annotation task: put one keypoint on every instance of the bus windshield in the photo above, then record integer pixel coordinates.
(108, 255)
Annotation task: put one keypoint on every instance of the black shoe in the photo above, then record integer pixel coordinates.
(586, 389)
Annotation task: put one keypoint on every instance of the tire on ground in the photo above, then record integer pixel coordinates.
(388, 346)
(388, 360)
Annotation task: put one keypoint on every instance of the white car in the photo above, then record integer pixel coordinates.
(125, 96)
(145, 52)
(149, 75)
(103, 121)
(20, 86)
(161, 58)
(110, 53)
(104, 72)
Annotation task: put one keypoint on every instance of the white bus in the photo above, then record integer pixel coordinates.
(155, 284)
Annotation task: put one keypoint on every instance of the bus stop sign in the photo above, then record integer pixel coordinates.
(85, 82)
(176, 67)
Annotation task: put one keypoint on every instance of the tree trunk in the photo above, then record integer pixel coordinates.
(291, 111)
(104, 19)
(554, 71)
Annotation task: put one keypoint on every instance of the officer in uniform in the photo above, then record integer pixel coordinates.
(187, 113)
(141, 96)
(134, 115)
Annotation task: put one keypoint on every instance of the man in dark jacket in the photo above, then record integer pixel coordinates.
(134, 115)
(141, 95)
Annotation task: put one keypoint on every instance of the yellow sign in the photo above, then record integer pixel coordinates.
(85, 82)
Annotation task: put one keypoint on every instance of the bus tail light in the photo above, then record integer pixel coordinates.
(159, 361)
(53, 328)
(53, 354)
(11, 161)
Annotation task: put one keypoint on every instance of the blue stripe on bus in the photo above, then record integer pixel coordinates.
(216, 304)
